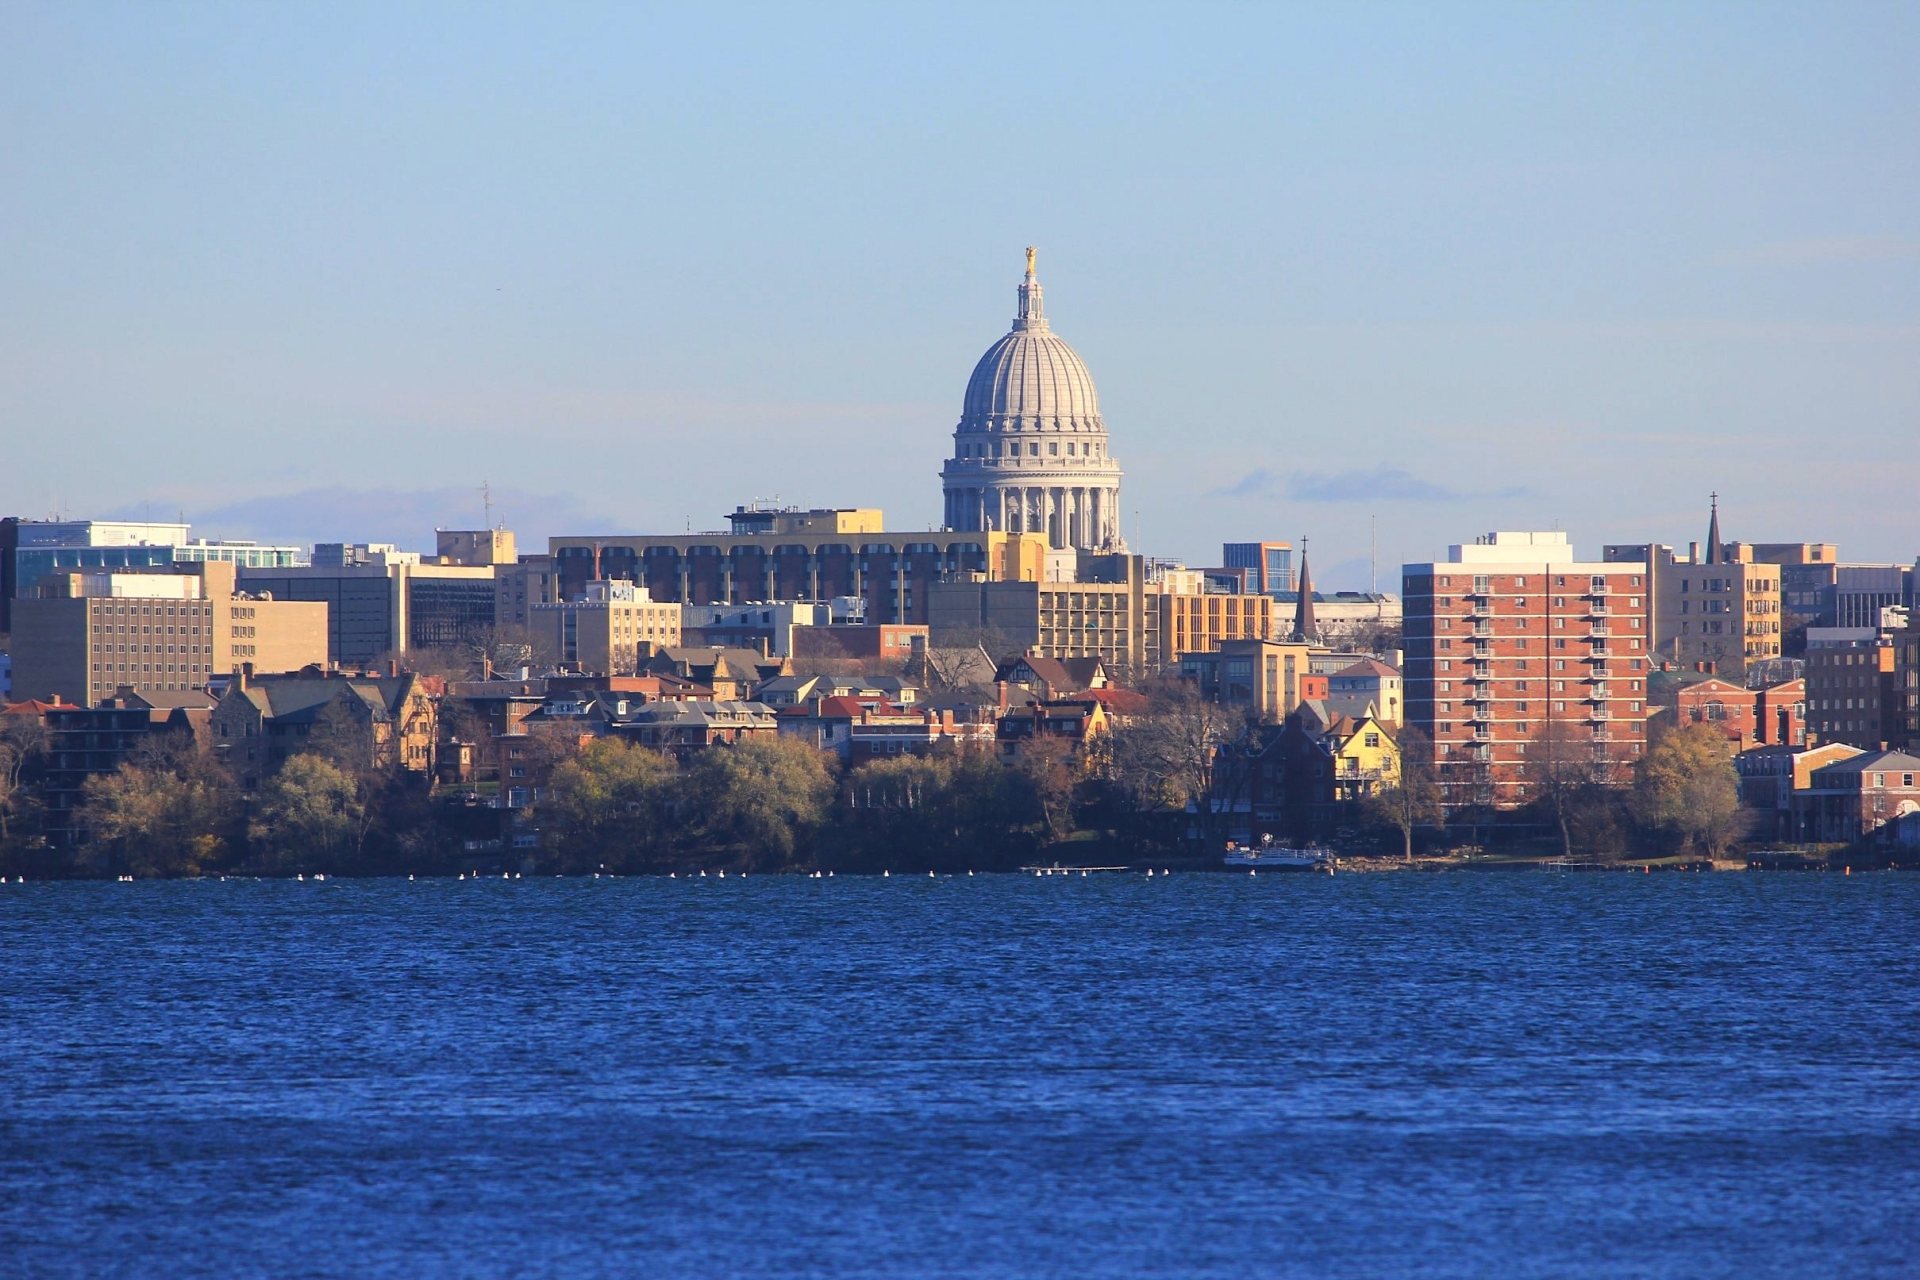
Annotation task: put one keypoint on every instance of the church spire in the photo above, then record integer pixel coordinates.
(1716, 554)
(1304, 626)
(1033, 314)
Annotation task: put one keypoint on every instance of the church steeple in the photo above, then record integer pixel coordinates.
(1304, 626)
(1033, 312)
(1716, 554)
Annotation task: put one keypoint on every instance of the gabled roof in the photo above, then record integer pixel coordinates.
(300, 698)
(1061, 675)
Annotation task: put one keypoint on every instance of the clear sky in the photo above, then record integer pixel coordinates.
(1427, 270)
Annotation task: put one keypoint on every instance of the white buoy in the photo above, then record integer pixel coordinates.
(723, 875)
(301, 877)
(885, 874)
(409, 879)
(969, 874)
(1253, 871)
(929, 875)
(1149, 873)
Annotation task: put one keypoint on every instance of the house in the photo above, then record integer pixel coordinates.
(790, 691)
(862, 729)
(366, 721)
(1366, 759)
(1048, 679)
(1770, 775)
(1074, 721)
(1299, 779)
(1776, 714)
(683, 729)
(1875, 794)
(732, 674)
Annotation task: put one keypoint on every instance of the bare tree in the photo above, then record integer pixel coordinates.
(22, 738)
(1561, 770)
(1414, 799)
(1185, 753)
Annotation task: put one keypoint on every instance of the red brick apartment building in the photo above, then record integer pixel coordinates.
(1511, 634)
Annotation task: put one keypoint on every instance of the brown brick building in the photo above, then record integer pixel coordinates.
(1509, 635)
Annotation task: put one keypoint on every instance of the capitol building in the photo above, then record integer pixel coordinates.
(1030, 453)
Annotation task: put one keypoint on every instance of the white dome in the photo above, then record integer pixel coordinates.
(1032, 374)
(1030, 451)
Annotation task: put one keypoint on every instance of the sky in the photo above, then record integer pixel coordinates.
(1382, 276)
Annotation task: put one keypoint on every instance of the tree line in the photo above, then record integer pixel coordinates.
(1161, 784)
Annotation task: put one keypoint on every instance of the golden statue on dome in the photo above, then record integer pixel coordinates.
(1031, 251)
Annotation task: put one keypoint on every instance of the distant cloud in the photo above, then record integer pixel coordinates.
(406, 517)
(1255, 484)
(1382, 484)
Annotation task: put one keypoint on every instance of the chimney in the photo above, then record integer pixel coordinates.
(1000, 687)
(393, 666)
(243, 677)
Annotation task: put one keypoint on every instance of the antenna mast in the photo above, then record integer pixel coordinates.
(486, 501)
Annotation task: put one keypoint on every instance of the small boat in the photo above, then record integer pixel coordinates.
(1273, 857)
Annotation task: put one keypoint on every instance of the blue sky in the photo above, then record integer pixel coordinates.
(1408, 272)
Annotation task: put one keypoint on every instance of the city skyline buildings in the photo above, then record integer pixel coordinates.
(1413, 270)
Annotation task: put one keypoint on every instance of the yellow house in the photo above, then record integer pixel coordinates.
(1366, 760)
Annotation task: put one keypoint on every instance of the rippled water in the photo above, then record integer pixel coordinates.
(1393, 1076)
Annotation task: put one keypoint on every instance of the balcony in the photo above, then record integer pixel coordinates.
(1599, 632)
(1482, 631)
(1599, 654)
(1481, 715)
(1599, 609)
(1599, 713)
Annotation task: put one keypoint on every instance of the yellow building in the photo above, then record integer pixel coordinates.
(91, 631)
(610, 630)
(1135, 624)
(1366, 759)
(1261, 676)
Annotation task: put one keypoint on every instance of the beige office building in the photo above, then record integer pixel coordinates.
(1136, 625)
(610, 630)
(93, 631)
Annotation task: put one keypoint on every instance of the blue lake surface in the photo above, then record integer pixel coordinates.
(1203, 1075)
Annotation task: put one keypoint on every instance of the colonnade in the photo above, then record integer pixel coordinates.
(1069, 515)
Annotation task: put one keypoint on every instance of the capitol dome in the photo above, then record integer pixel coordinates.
(1030, 451)
(1032, 374)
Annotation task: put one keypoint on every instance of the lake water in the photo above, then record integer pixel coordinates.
(1355, 1076)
